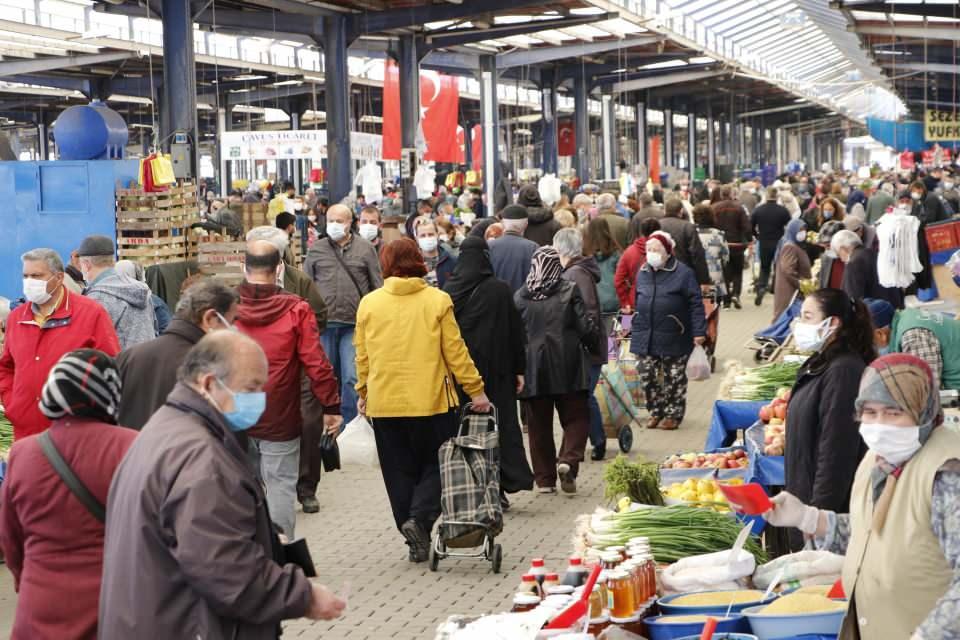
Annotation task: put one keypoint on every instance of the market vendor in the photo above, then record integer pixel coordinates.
(901, 536)
(932, 336)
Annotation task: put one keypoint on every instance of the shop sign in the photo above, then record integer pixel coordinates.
(941, 125)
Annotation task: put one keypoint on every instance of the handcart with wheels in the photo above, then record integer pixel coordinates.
(471, 515)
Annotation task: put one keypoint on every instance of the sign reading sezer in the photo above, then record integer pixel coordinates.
(941, 126)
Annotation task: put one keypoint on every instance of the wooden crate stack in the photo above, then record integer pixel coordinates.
(154, 227)
(221, 259)
(256, 215)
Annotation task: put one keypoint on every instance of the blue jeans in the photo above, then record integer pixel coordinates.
(338, 345)
(597, 436)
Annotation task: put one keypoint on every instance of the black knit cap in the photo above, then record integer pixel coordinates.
(96, 246)
(514, 212)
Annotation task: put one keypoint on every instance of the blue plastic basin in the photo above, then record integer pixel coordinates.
(658, 629)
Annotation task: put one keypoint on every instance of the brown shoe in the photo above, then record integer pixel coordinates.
(652, 422)
(669, 424)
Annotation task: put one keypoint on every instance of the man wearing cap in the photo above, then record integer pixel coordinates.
(54, 321)
(511, 253)
(126, 300)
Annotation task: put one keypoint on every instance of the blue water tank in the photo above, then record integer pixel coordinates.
(90, 132)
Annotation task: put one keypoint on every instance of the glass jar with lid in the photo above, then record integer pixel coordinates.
(620, 584)
(525, 602)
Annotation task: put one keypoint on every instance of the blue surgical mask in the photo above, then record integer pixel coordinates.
(248, 406)
(884, 350)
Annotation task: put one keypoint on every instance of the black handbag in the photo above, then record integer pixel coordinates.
(329, 453)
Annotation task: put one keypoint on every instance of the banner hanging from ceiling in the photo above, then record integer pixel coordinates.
(306, 144)
(439, 111)
(566, 139)
(941, 126)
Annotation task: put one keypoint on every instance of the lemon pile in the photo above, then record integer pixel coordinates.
(700, 491)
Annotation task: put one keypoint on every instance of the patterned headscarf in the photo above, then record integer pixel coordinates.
(545, 271)
(906, 382)
(84, 383)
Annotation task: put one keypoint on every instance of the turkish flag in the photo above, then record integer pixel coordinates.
(654, 159)
(477, 147)
(567, 145)
(439, 107)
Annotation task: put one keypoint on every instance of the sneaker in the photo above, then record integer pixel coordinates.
(736, 303)
(598, 453)
(504, 501)
(310, 504)
(759, 299)
(546, 490)
(568, 482)
(417, 539)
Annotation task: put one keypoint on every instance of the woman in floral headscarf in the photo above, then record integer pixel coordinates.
(901, 538)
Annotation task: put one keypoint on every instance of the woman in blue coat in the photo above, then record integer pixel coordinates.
(668, 321)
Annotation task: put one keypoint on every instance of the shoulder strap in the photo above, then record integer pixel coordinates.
(336, 254)
(69, 478)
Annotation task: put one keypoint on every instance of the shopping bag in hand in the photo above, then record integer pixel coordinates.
(357, 444)
(698, 366)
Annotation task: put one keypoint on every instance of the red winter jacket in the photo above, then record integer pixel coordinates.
(285, 327)
(52, 545)
(625, 280)
(29, 352)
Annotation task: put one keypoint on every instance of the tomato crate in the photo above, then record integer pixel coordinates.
(943, 236)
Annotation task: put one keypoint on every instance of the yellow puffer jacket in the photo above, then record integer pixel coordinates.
(409, 351)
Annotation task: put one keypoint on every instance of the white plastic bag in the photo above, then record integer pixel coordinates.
(357, 444)
(712, 571)
(698, 366)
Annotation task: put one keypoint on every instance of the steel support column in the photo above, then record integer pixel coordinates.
(337, 103)
(691, 143)
(408, 66)
(43, 147)
(548, 102)
(297, 162)
(581, 116)
(468, 145)
(179, 78)
(711, 146)
(221, 128)
(642, 134)
(668, 138)
(609, 130)
(490, 121)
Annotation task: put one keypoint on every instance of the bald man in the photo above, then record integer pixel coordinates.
(285, 327)
(345, 268)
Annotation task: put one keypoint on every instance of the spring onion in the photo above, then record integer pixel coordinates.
(6, 434)
(760, 383)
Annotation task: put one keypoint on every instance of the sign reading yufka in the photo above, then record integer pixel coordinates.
(941, 125)
(294, 145)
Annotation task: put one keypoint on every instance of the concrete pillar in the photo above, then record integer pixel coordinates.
(548, 104)
(297, 163)
(468, 144)
(581, 115)
(691, 143)
(408, 66)
(642, 134)
(490, 120)
(179, 78)
(668, 137)
(609, 130)
(43, 150)
(221, 128)
(337, 103)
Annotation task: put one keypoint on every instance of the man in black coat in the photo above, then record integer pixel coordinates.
(768, 222)
(148, 371)
(860, 279)
(511, 252)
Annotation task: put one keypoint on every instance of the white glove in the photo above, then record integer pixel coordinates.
(788, 511)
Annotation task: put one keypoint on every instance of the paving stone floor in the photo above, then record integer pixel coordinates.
(354, 542)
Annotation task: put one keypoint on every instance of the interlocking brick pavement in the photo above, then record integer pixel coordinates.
(353, 539)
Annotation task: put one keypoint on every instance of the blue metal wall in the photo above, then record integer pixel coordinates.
(55, 204)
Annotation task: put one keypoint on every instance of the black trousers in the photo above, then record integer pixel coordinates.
(733, 272)
(766, 266)
(311, 463)
(407, 448)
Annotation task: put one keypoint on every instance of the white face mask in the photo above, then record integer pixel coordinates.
(369, 232)
(801, 236)
(830, 253)
(896, 445)
(655, 260)
(312, 218)
(298, 206)
(444, 238)
(336, 231)
(916, 195)
(810, 337)
(35, 291)
(427, 245)
(947, 186)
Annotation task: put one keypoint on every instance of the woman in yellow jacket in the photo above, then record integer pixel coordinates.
(409, 351)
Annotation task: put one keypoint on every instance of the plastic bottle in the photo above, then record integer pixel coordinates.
(576, 574)
(529, 584)
(538, 570)
(550, 580)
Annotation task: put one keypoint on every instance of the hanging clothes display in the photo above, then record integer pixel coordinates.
(424, 181)
(898, 258)
(370, 179)
(550, 189)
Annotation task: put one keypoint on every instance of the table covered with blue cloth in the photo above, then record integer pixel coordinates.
(729, 416)
(767, 470)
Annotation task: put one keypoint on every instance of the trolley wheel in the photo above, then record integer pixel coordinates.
(434, 559)
(496, 558)
(758, 355)
(625, 438)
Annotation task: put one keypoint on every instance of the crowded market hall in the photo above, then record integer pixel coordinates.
(480, 319)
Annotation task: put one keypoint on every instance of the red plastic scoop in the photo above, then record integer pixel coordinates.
(836, 591)
(708, 629)
(578, 609)
(750, 499)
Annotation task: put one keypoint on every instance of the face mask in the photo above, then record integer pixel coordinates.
(655, 260)
(248, 406)
(896, 445)
(369, 232)
(947, 186)
(883, 350)
(444, 238)
(226, 325)
(810, 337)
(827, 214)
(830, 253)
(312, 218)
(915, 195)
(35, 291)
(298, 207)
(460, 238)
(427, 245)
(801, 236)
(336, 231)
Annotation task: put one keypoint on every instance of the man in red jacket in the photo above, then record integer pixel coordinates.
(52, 322)
(285, 327)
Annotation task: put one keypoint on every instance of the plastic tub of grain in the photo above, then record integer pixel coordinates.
(724, 636)
(679, 626)
(796, 614)
(712, 602)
